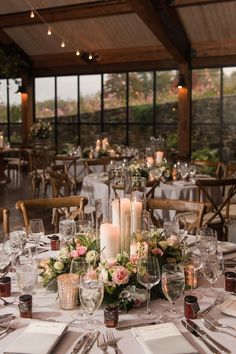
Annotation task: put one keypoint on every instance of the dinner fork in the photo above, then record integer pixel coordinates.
(213, 328)
(217, 323)
(112, 341)
(101, 343)
(219, 299)
(5, 324)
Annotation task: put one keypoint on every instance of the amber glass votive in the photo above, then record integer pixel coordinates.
(25, 306)
(5, 286)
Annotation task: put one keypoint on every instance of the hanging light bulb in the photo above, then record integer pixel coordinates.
(49, 31)
(63, 44)
(77, 52)
(32, 14)
(90, 56)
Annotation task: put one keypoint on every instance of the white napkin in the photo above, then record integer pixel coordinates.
(228, 307)
(163, 338)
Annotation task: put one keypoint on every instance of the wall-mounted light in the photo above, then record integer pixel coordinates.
(181, 82)
(21, 89)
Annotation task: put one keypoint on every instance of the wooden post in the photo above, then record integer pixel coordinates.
(27, 108)
(184, 110)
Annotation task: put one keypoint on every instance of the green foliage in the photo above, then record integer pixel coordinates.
(172, 141)
(206, 154)
(143, 114)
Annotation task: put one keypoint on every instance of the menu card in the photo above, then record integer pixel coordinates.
(163, 338)
(38, 338)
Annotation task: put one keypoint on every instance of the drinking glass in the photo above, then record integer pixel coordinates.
(206, 240)
(13, 245)
(27, 276)
(213, 266)
(148, 275)
(78, 268)
(20, 231)
(67, 229)
(36, 232)
(173, 283)
(91, 292)
(193, 263)
(5, 262)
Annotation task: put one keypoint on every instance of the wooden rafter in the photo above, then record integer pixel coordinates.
(164, 22)
(66, 13)
(185, 3)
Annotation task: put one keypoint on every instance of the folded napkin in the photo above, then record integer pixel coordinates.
(228, 307)
(38, 338)
(163, 338)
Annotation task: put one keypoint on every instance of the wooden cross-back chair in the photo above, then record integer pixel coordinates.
(219, 194)
(60, 182)
(214, 168)
(102, 162)
(193, 212)
(71, 206)
(4, 219)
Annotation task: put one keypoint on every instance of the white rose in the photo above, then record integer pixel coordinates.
(58, 265)
(91, 256)
(104, 275)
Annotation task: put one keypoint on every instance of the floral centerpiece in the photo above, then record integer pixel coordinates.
(41, 129)
(138, 168)
(119, 274)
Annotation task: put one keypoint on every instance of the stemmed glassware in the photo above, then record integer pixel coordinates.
(148, 275)
(206, 239)
(12, 245)
(91, 292)
(173, 283)
(26, 271)
(67, 229)
(36, 231)
(213, 266)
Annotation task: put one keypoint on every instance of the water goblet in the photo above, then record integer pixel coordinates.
(36, 232)
(173, 283)
(213, 266)
(206, 239)
(148, 275)
(91, 292)
(13, 245)
(67, 229)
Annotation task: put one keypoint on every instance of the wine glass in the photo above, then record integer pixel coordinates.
(36, 231)
(192, 172)
(13, 245)
(5, 262)
(148, 275)
(173, 283)
(78, 268)
(182, 226)
(91, 292)
(213, 266)
(206, 239)
(67, 228)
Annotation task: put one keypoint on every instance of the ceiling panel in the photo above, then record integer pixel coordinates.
(213, 22)
(120, 31)
(11, 6)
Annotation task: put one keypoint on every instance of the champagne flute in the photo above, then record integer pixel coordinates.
(148, 275)
(91, 292)
(173, 283)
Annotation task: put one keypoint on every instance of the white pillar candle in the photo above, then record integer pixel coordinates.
(98, 144)
(136, 215)
(125, 212)
(109, 241)
(149, 161)
(115, 212)
(105, 144)
(159, 157)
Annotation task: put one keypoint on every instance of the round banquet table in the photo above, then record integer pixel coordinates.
(46, 306)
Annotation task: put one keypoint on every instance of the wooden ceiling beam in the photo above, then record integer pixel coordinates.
(213, 62)
(185, 3)
(66, 13)
(164, 22)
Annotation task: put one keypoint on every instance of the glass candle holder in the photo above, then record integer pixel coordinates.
(67, 291)
(111, 316)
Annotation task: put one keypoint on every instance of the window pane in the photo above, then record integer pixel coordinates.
(3, 101)
(15, 133)
(67, 99)
(141, 97)
(66, 134)
(90, 98)
(115, 98)
(229, 114)
(89, 134)
(116, 134)
(14, 102)
(45, 97)
(205, 109)
(139, 135)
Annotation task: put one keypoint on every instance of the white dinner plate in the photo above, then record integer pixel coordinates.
(228, 307)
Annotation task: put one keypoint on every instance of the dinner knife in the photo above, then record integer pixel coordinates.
(205, 334)
(196, 334)
(80, 343)
(89, 343)
(123, 327)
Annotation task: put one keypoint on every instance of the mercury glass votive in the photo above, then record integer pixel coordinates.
(67, 291)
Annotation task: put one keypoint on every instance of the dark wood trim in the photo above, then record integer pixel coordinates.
(187, 3)
(218, 61)
(66, 13)
(165, 25)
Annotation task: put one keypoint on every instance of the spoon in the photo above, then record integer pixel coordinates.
(5, 302)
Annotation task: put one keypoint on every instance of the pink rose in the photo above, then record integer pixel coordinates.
(157, 251)
(81, 250)
(74, 254)
(120, 275)
(111, 262)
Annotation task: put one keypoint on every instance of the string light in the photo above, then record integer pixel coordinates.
(77, 52)
(32, 14)
(90, 57)
(63, 44)
(49, 31)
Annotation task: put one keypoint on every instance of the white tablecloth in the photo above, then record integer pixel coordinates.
(46, 306)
